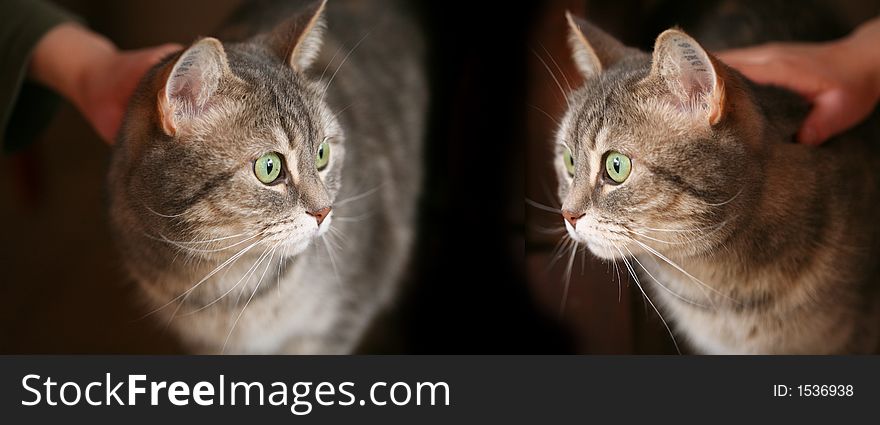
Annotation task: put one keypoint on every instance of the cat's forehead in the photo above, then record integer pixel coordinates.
(271, 99)
(271, 81)
(607, 104)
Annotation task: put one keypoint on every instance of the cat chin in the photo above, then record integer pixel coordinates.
(296, 246)
(297, 243)
(598, 247)
(325, 225)
(604, 252)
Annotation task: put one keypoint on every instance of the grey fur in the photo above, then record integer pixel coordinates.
(782, 235)
(169, 193)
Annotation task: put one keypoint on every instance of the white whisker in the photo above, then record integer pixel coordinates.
(203, 250)
(246, 304)
(692, 230)
(199, 242)
(246, 274)
(543, 207)
(670, 291)
(357, 197)
(338, 233)
(559, 251)
(641, 235)
(332, 260)
(327, 66)
(558, 68)
(645, 294)
(354, 219)
(546, 114)
(345, 59)
(727, 201)
(680, 269)
(584, 260)
(337, 113)
(619, 282)
(567, 280)
(230, 260)
(280, 267)
(553, 75)
(163, 215)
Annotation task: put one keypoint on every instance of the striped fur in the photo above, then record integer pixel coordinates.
(748, 242)
(184, 202)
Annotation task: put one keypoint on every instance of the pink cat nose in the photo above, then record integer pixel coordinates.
(320, 215)
(571, 217)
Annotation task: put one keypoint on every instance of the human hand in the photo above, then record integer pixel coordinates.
(92, 73)
(840, 78)
(108, 84)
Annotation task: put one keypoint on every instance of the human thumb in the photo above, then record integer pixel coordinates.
(830, 115)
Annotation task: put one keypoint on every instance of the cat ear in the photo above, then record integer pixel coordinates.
(190, 84)
(593, 50)
(298, 40)
(690, 74)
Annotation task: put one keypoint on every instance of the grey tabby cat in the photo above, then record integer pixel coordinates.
(748, 242)
(264, 191)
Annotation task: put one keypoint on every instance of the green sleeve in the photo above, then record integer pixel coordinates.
(24, 108)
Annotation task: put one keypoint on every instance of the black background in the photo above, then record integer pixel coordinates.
(470, 293)
(466, 292)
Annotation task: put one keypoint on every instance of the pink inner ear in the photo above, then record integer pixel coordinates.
(191, 83)
(187, 88)
(184, 88)
(187, 92)
(695, 73)
(695, 85)
(691, 75)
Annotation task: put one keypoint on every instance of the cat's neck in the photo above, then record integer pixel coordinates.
(775, 238)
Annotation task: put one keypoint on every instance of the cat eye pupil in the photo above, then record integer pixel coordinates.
(322, 156)
(568, 161)
(268, 168)
(617, 167)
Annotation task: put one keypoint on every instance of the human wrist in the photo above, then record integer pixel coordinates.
(66, 60)
(861, 48)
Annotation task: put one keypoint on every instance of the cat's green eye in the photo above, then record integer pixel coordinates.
(267, 168)
(322, 157)
(569, 162)
(617, 166)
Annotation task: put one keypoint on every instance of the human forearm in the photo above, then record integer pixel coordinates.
(63, 58)
(865, 42)
(88, 70)
(841, 78)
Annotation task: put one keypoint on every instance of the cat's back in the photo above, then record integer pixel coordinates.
(369, 41)
(839, 179)
(849, 160)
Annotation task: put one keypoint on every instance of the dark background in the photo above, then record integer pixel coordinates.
(62, 285)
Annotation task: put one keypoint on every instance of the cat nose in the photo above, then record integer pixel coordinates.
(320, 215)
(571, 217)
